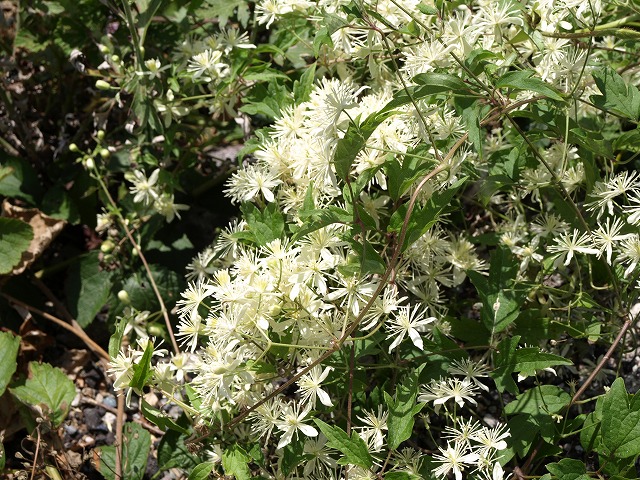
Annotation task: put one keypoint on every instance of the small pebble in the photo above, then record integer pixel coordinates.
(71, 430)
(110, 401)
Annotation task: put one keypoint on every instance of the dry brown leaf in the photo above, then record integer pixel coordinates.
(45, 229)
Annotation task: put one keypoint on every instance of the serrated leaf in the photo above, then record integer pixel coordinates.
(136, 445)
(403, 409)
(87, 288)
(528, 360)
(15, 238)
(48, 388)
(542, 400)
(569, 469)
(266, 225)
(621, 421)
(525, 80)
(225, 9)
(616, 94)
(9, 346)
(354, 449)
(202, 471)
(235, 462)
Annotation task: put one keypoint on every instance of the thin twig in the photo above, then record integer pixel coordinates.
(75, 329)
(119, 428)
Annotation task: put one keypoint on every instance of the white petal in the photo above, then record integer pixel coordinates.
(415, 338)
(308, 430)
(324, 398)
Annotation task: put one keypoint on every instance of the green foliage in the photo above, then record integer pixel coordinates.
(48, 389)
(87, 289)
(136, 445)
(9, 345)
(234, 462)
(616, 96)
(353, 448)
(403, 409)
(15, 237)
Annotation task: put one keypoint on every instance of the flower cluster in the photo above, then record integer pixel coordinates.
(372, 203)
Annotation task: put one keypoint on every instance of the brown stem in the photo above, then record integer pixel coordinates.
(119, 428)
(75, 329)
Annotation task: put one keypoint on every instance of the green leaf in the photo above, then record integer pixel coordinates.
(15, 238)
(9, 346)
(115, 341)
(501, 297)
(528, 360)
(302, 88)
(87, 288)
(293, 456)
(403, 409)
(616, 96)
(202, 471)
(142, 369)
(20, 180)
(354, 449)
(621, 421)
(223, 10)
(172, 452)
(400, 476)
(136, 445)
(542, 400)
(353, 141)
(58, 204)
(423, 218)
(525, 80)
(504, 362)
(159, 418)
(264, 226)
(48, 388)
(431, 83)
(235, 462)
(569, 469)
(141, 294)
(471, 117)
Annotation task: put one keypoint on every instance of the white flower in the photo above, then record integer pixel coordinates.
(309, 385)
(406, 321)
(246, 184)
(441, 391)
(568, 244)
(454, 459)
(292, 421)
(143, 188)
(207, 65)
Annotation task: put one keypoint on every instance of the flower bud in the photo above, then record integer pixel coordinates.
(123, 296)
(73, 148)
(89, 163)
(102, 85)
(104, 153)
(107, 246)
(100, 135)
(115, 58)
